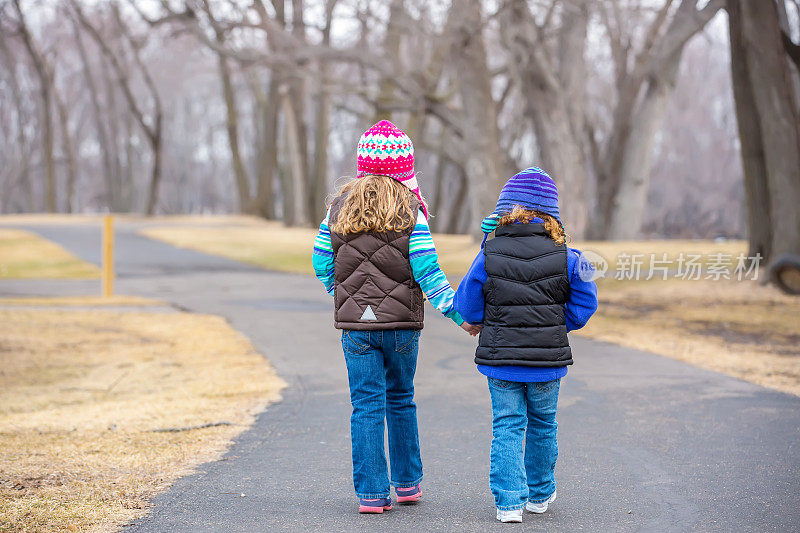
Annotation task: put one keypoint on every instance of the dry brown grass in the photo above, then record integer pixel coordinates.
(49, 219)
(55, 219)
(81, 393)
(25, 255)
(117, 300)
(672, 248)
(740, 328)
(275, 247)
(269, 245)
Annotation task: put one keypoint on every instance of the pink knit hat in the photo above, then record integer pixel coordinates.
(384, 150)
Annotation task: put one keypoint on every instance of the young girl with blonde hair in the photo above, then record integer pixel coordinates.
(375, 255)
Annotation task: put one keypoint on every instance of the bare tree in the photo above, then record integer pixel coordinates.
(98, 118)
(266, 143)
(45, 75)
(297, 129)
(22, 140)
(232, 122)
(68, 149)
(483, 164)
(769, 128)
(580, 87)
(269, 106)
(319, 176)
(624, 168)
(152, 127)
(549, 73)
(692, 194)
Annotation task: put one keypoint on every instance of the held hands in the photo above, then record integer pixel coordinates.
(472, 329)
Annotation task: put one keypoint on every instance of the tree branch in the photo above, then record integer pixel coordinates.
(792, 49)
(687, 22)
(124, 80)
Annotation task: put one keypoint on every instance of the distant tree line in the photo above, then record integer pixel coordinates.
(255, 106)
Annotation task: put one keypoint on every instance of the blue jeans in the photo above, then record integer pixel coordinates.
(524, 445)
(380, 367)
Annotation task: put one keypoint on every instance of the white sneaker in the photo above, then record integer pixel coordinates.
(539, 508)
(510, 516)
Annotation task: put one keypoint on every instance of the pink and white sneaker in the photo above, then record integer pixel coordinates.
(408, 495)
(376, 506)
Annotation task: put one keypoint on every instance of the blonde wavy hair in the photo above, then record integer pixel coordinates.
(524, 216)
(375, 203)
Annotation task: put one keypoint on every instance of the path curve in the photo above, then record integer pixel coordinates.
(647, 443)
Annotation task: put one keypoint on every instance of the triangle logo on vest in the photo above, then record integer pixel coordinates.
(369, 314)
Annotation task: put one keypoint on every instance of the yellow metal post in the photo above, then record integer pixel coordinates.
(108, 256)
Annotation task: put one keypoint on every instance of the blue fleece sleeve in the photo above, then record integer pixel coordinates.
(582, 301)
(469, 299)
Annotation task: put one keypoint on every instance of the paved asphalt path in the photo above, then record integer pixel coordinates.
(646, 443)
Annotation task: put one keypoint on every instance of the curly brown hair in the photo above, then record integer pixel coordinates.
(375, 203)
(524, 216)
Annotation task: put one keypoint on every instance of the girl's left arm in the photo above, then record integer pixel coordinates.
(322, 258)
(426, 270)
(582, 301)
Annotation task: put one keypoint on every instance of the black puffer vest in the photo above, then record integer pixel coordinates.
(526, 289)
(374, 287)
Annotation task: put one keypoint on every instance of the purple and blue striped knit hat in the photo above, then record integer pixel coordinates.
(531, 188)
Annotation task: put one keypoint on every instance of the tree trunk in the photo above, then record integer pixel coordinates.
(49, 162)
(319, 182)
(759, 230)
(294, 192)
(270, 130)
(99, 123)
(561, 155)
(299, 97)
(319, 177)
(152, 129)
(608, 164)
(119, 198)
(268, 149)
(634, 175)
(624, 168)
(792, 49)
(437, 203)
(22, 140)
(126, 186)
(779, 118)
(391, 50)
(483, 164)
(552, 91)
(572, 69)
(459, 200)
(239, 171)
(240, 174)
(69, 151)
(45, 89)
(155, 174)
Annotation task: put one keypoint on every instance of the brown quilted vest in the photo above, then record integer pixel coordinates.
(374, 287)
